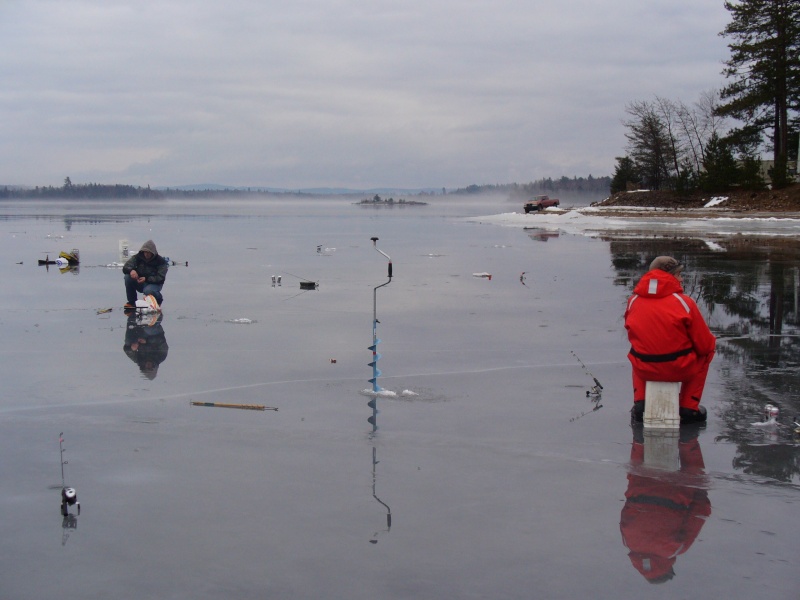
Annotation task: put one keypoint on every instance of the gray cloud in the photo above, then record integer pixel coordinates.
(338, 93)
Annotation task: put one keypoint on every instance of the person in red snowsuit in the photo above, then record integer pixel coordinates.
(670, 340)
(664, 511)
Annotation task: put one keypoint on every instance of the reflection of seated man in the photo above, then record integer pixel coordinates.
(146, 344)
(664, 511)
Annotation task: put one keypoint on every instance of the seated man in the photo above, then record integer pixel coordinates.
(145, 272)
(670, 340)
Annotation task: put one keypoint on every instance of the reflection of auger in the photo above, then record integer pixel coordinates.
(375, 341)
(595, 390)
(374, 539)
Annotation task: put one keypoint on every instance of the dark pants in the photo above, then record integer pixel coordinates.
(131, 287)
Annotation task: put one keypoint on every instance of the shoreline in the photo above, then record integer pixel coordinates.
(784, 203)
(639, 212)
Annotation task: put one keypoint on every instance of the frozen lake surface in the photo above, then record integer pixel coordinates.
(490, 472)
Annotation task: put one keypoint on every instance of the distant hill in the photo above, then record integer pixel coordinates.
(547, 184)
(317, 191)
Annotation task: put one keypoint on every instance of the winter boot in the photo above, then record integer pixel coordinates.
(692, 416)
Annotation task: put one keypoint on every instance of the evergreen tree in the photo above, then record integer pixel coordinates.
(650, 145)
(624, 173)
(720, 170)
(765, 71)
(750, 176)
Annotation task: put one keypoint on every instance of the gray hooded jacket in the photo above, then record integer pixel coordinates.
(153, 270)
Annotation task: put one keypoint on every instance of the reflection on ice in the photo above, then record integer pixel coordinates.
(666, 503)
(375, 461)
(146, 343)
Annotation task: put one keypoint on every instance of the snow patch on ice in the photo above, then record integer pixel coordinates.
(379, 393)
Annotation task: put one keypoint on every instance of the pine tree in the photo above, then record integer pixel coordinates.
(650, 144)
(624, 174)
(720, 169)
(765, 71)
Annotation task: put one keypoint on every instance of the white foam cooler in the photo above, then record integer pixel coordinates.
(661, 405)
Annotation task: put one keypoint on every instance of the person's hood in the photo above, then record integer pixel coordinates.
(150, 246)
(148, 371)
(657, 284)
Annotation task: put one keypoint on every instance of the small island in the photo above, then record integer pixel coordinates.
(376, 200)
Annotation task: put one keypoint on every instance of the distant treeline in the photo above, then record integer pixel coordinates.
(81, 191)
(546, 184)
(89, 191)
(94, 191)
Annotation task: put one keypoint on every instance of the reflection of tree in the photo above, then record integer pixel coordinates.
(776, 461)
(777, 297)
(748, 288)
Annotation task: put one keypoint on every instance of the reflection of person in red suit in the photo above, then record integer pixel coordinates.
(670, 340)
(664, 511)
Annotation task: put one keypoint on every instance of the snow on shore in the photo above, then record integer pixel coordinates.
(592, 221)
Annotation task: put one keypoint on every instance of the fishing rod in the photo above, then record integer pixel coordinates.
(595, 390)
(229, 405)
(297, 276)
(69, 497)
(140, 310)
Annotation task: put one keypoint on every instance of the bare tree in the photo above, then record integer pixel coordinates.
(668, 111)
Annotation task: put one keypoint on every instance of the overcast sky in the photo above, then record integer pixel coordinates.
(342, 93)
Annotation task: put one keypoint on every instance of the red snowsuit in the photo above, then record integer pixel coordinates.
(669, 338)
(664, 512)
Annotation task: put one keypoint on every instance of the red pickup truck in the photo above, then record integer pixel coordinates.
(540, 203)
